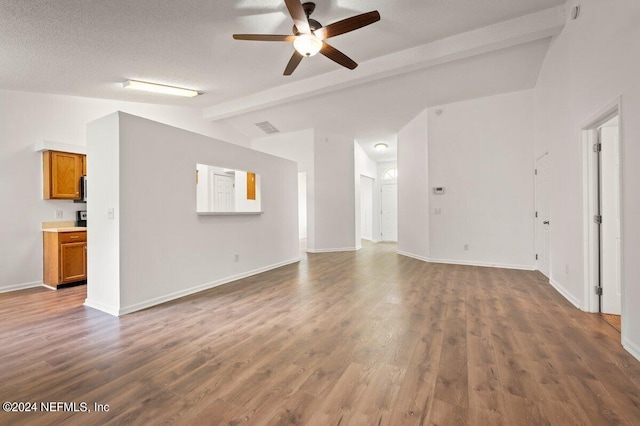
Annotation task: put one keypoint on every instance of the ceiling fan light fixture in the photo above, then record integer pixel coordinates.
(381, 146)
(159, 88)
(307, 44)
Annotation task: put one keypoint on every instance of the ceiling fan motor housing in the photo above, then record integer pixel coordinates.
(309, 7)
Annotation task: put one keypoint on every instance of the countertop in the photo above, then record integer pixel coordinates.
(66, 229)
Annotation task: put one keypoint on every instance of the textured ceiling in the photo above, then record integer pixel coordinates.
(89, 47)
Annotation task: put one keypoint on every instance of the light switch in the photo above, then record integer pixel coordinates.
(110, 213)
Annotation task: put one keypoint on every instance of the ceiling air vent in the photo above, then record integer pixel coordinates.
(267, 127)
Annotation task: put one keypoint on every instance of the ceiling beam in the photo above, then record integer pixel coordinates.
(505, 34)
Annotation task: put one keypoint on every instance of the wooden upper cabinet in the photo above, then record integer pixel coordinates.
(251, 186)
(62, 172)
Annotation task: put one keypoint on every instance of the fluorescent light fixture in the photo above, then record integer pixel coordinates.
(159, 88)
(381, 146)
(307, 44)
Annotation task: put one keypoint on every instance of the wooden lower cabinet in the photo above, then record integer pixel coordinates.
(65, 257)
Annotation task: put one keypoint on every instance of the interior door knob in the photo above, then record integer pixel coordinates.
(546, 222)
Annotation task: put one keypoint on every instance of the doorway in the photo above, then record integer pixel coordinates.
(603, 182)
(542, 222)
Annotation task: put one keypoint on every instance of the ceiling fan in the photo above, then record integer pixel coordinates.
(309, 35)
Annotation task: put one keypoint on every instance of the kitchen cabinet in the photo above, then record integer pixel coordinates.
(65, 257)
(62, 172)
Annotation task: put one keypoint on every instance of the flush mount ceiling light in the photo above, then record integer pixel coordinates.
(159, 88)
(381, 146)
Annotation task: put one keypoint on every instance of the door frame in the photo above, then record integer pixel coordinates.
(536, 221)
(591, 243)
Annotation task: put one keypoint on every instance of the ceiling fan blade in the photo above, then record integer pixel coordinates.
(337, 56)
(264, 37)
(293, 63)
(347, 25)
(298, 15)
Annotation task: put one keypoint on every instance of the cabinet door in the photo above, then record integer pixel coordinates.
(65, 170)
(73, 262)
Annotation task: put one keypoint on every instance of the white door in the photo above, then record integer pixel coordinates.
(542, 214)
(389, 212)
(366, 208)
(223, 190)
(610, 227)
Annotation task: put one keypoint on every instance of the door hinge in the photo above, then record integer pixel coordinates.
(535, 172)
(598, 290)
(536, 214)
(536, 257)
(597, 147)
(597, 219)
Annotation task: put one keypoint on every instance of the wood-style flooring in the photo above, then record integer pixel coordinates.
(351, 338)
(614, 321)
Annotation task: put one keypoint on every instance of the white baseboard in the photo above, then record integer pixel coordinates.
(469, 262)
(413, 256)
(20, 286)
(632, 348)
(331, 250)
(178, 294)
(111, 310)
(575, 302)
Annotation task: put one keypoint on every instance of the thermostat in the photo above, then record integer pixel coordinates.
(438, 190)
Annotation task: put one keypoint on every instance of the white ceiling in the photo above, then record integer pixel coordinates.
(89, 47)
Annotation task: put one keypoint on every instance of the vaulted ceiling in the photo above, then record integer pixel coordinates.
(421, 53)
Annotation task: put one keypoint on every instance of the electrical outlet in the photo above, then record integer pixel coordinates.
(236, 258)
(59, 214)
(438, 210)
(466, 247)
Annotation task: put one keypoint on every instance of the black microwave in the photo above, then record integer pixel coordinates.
(83, 190)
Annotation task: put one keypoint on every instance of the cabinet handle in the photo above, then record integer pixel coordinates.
(73, 237)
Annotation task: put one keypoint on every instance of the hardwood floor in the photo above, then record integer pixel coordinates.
(351, 338)
(614, 321)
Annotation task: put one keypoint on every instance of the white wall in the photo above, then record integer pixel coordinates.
(367, 186)
(588, 66)
(335, 196)
(481, 152)
(103, 233)
(328, 161)
(202, 193)
(26, 118)
(364, 166)
(302, 204)
(166, 250)
(413, 182)
(298, 147)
